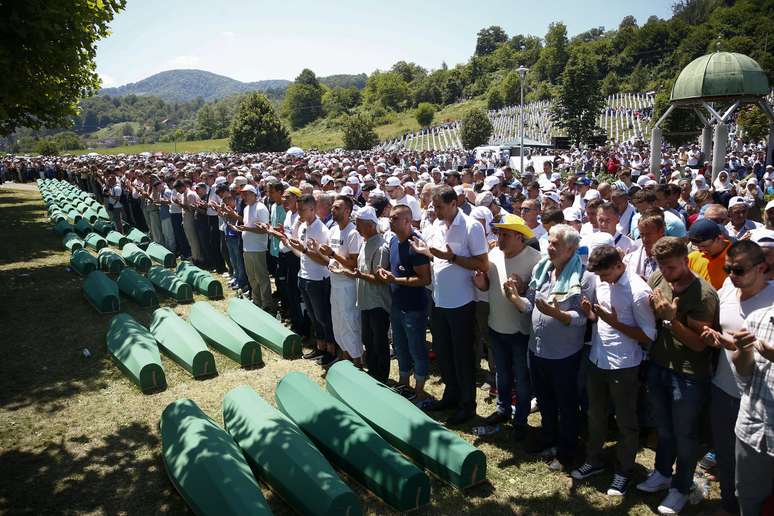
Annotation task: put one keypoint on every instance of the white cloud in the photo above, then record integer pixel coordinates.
(184, 62)
(107, 81)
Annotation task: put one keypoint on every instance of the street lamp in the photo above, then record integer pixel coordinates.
(522, 74)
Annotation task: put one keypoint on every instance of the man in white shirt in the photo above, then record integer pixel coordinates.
(458, 247)
(608, 219)
(739, 224)
(397, 194)
(625, 322)
(640, 260)
(342, 250)
(625, 209)
(255, 242)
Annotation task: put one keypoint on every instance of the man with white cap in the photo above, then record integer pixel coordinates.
(509, 325)
(255, 242)
(739, 224)
(342, 250)
(394, 189)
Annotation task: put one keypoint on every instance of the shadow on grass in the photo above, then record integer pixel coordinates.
(115, 476)
(26, 231)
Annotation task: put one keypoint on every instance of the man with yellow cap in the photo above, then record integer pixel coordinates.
(510, 269)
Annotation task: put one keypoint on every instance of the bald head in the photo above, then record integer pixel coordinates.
(717, 213)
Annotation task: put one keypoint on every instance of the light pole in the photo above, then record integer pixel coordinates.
(522, 74)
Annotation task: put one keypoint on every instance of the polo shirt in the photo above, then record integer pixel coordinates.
(345, 242)
(403, 259)
(310, 269)
(709, 268)
(254, 242)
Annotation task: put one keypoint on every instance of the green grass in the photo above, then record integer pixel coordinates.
(316, 135)
(79, 437)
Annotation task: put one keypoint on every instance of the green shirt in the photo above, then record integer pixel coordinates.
(277, 219)
(699, 302)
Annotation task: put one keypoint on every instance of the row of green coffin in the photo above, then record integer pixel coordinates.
(359, 425)
(134, 347)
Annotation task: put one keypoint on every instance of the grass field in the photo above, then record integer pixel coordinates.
(76, 437)
(315, 135)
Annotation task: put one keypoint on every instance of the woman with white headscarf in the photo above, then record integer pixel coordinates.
(699, 183)
(753, 197)
(722, 183)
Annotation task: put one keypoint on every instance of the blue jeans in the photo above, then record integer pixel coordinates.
(510, 360)
(556, 387)
(676, 402)
(408, 339)
(317, 299)
(234, 246)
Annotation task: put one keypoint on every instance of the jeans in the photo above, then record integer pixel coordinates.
(676, 402)
(317, 298)
(556, 388)
(181, 242)
(374, 324)
(510, 358)
(409, 342)
(234, 246)
(456, 351)
(723, 412)
(290, 264)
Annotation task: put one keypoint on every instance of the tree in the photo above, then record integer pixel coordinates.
(753, 122)
(47, 59)
(579, 101)
(256, 127)
(424, 114)
(359, 133)
(495, 99)
(409, 71)
(554, 55)
(476, 129)
(638, 79)
(46, 147)
(512, 89)
(488, 39)
(303, 100)
(205, 122)
(67, 140)
(387, 89)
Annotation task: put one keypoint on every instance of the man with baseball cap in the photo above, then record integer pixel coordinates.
(709, 260)
(739, 224)
(397, 194)
(510, 269)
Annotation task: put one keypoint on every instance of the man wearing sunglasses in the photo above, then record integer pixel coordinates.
(746, 289)
(709, 259)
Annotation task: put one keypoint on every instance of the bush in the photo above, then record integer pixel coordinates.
(46, 147)
(256, 127)
(359, 133)
(495, 100)
(476, 129)
(424, 114)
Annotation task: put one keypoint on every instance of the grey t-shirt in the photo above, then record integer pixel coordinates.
(373, 255)
(732, 315)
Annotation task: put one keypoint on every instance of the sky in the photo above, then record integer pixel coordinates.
(251, 40)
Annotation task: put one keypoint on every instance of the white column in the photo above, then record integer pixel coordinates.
(706, 141)
(655, 151)
(719, 151)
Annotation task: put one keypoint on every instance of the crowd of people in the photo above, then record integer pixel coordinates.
(590, 285)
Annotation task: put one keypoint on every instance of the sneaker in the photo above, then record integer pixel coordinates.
(709, 461)
(586, 471)
(533, 406)
(315, 354)
(618, 486)
(673, 503)
(655, 482)
(226, 275)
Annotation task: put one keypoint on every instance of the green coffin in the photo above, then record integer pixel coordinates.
(134, 350)
(225, 335)
(136, 257)
(406, 427)
(103, 214)
(138, 288)
(160, 254)
(284, 458)
(57, 216)
(264, 328)
(201, 281)
(74, 216)
(206, 466)
(110, 261)
(90, 215)
(350, 443)
(102, 292)
(63, 227)
(116, 239)
(83, 228)
(171, 285)
(181, 342)
(72, 242)
(138, 237)
(95, 241)
(103, 227)
(83, 262)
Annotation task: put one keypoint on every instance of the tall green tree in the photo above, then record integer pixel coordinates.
(488, 39)
(303, 100)
(387, 89)
(476, 129)
(424, 114)
(753, 122)
(47, 51)
(359, 133)
(580, 100)
(554, 55)
(256, 127)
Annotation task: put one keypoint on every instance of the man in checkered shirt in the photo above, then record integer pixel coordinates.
(755, 424)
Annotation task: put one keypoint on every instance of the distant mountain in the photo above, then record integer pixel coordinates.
(187, 85)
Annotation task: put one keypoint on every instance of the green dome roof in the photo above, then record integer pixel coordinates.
(720, 75)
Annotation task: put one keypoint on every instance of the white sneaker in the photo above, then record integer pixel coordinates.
(655, 482)
(673, 503)
(533, 406)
